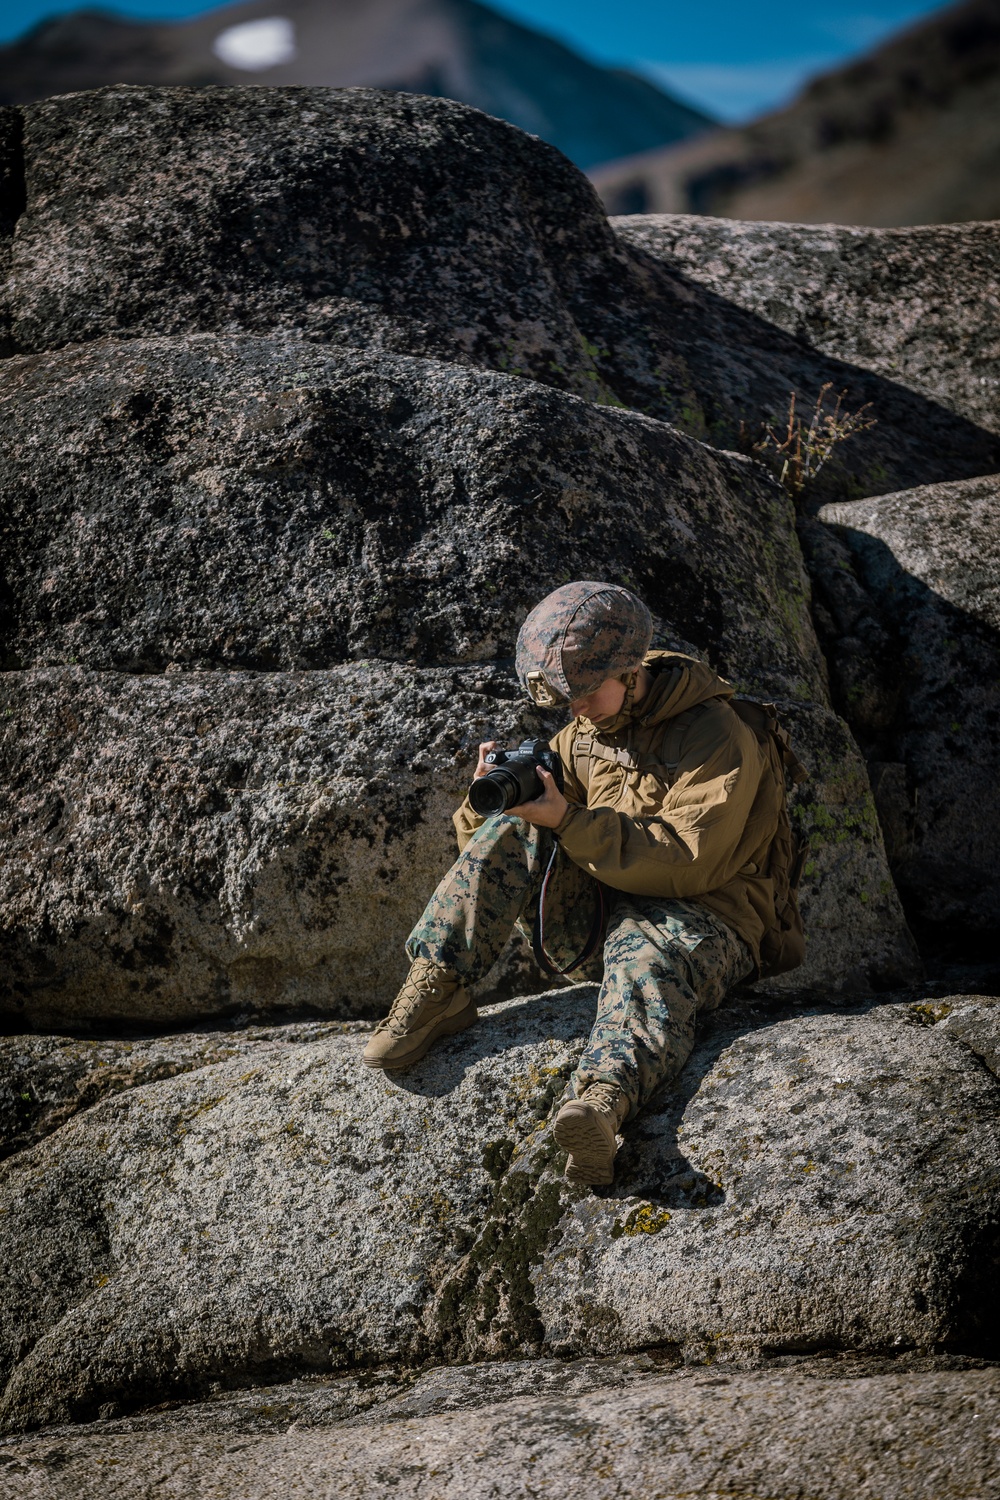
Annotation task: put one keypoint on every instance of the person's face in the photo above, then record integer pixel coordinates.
(603, 703)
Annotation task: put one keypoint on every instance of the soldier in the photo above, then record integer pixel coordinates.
(656, 847)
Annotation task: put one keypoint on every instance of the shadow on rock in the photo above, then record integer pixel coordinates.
(562, 1014)
(908, 606)
(680, 352)
(651, 1164)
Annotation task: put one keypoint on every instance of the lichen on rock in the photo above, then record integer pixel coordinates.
(822, 1181)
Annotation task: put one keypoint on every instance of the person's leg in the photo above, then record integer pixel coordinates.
(495, 882)
(663, 962)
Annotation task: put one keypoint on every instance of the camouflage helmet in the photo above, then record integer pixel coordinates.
(577, 637)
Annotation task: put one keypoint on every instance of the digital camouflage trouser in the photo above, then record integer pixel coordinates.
(663, 959)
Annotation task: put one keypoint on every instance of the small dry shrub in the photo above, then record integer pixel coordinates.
(807, 444)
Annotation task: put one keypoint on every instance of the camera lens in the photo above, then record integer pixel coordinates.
(495, 792)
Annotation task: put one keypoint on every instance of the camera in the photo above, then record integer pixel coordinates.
(513, 777)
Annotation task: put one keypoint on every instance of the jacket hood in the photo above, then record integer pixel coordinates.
(679, 683)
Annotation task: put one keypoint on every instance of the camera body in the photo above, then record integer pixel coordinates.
(513, 777)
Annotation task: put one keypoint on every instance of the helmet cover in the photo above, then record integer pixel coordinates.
(577, 637)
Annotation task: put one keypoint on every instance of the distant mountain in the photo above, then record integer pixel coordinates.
(455, 49)
(909, 134)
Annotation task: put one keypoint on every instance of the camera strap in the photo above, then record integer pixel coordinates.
(538, 930)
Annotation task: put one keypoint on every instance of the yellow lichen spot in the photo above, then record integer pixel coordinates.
(642, 1220)
(929, 1014)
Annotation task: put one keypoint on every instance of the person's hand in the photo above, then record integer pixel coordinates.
(482, 767)
(546, 811)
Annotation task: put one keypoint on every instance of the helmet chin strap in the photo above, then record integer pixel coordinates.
(630, 680)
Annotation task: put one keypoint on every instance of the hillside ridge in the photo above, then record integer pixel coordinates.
(907, 134)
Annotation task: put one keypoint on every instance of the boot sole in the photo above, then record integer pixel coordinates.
(447, 1026)
(582, 1137)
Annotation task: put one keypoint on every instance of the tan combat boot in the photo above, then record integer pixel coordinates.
(432, 1003)
(588, 1128)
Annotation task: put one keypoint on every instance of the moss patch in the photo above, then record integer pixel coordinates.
(487, 1306)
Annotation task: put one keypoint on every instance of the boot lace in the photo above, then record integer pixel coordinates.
(411, 999)
(606, 1097)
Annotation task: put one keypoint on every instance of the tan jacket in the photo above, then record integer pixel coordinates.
(686, 811)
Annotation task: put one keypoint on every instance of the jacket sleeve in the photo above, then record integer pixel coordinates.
(467, 822)
(695, 843)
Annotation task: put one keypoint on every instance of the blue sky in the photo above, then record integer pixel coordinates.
(732, 57)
